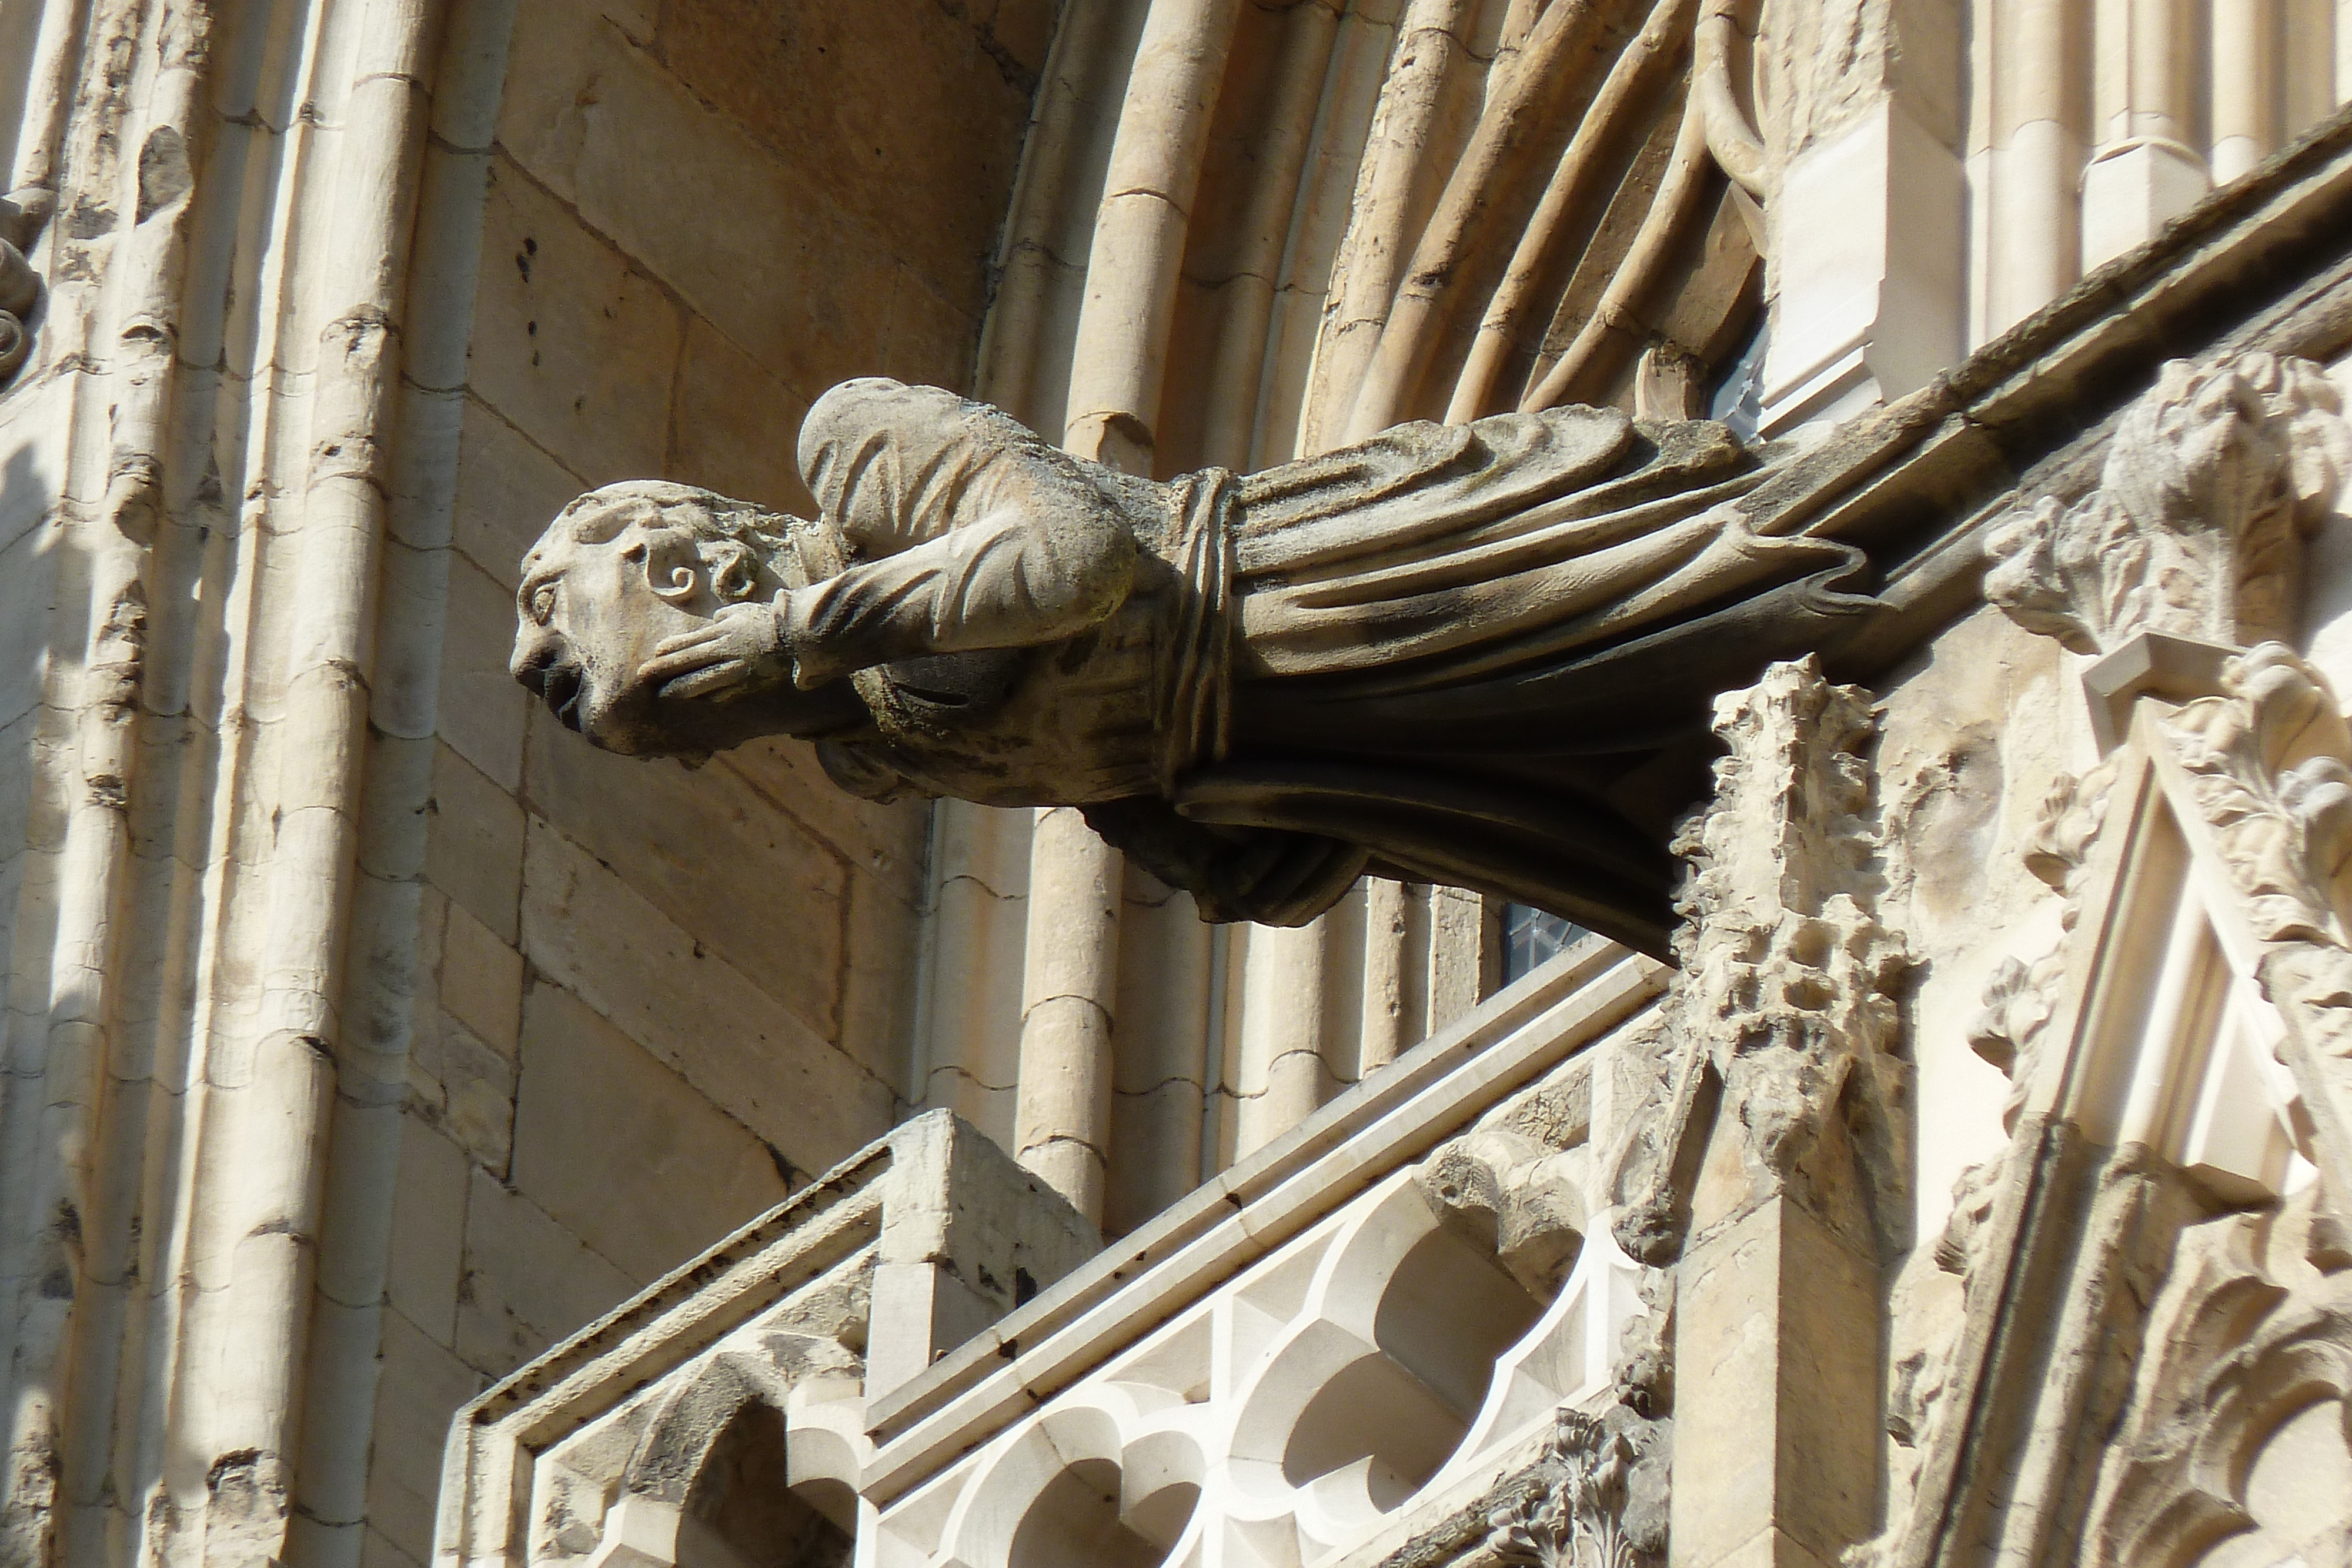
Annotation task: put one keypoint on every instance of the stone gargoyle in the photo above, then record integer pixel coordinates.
(1447, 655)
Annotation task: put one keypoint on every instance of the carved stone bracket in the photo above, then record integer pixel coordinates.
(2196, 530)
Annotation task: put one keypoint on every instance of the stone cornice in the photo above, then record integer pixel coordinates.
(2265, 262)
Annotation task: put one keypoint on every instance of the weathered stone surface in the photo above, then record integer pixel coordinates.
(427, 1251)
(467, 1089)
(916, 98)
(786, 278)
(588, 930)
(890, 840)
(501, 473)
(1973, 740)
(622, 1151)
(528, 1281)
(424, 1386)
(728, 426)
(475, 853)
(573, 344)
(476, 713)
(774, 910)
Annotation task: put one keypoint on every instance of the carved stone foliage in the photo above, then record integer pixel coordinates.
(2226, 824)
(1603, 1502)
(2270, 769)
(1783, 1006)
(2236, 1449)
(1515, 1195)
(2022, 997)
(2195, 529)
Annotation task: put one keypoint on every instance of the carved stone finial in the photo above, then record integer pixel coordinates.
(1788, 971)
(2196, 530)
(1784, 1006)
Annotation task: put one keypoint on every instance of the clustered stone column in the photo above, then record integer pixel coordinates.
(233, 755)
(1062, 1115)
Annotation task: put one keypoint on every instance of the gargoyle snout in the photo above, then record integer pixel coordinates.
(544, 665)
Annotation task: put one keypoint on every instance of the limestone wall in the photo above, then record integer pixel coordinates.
(658, 999)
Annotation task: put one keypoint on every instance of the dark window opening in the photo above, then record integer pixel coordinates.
(1530, 936)
(1737, 397)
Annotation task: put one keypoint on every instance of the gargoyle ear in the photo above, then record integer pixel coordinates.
(734, 570)
(672, 563)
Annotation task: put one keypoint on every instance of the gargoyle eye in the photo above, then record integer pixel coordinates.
(542, 603)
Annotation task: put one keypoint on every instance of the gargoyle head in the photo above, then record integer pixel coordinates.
(621, 569)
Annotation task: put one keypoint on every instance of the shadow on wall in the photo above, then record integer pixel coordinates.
(744, 1512)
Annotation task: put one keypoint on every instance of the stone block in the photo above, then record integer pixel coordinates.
(988, 1107)
(914, 102)
(933, 341)
(891, 842)
(528, 1281)
(428, 1230)
(571, 343)
(787, 276)
(476, 1104)
(1157, 1133)
(481, 981)
(480, 710)
(475, 851)
(2132, 192)
(1771, 1548)
(735, 426)
(419, 1389)
(2152, 663)
(772, 905)
(376, 1550)
(15, 782)
(34, 440)
(621, 1151)
(590, 932)
(969, 1236)
(12, 884)
(877, 984)
(1777, 1393)
(508, 489)
(1025, 29)
(27, 577)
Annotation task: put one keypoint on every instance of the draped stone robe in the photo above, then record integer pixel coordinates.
(1454, 645)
